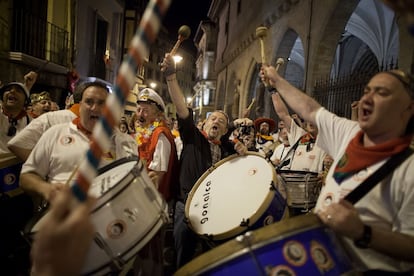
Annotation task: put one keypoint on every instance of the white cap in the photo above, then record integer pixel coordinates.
(149, 95)
(19, 84)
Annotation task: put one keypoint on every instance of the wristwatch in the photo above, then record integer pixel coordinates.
(365, 240)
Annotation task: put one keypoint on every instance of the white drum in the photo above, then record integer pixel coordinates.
(237, 194)
(129, 212)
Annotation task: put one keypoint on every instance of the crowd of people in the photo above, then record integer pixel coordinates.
(45, 146)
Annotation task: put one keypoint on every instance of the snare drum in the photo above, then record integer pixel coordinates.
(235, 195)
(296, 246)
(129, 212)
(302, 187)
(10, 167)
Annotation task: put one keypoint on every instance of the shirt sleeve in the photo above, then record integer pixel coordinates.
(161, 155)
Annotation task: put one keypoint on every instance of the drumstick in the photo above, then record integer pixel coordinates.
(102, 133)
(251, 104)
(183, 33)
(279, 62)
(261, 33)
(72, 175)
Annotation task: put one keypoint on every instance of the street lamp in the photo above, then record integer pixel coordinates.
(153, 85)
(177, 59)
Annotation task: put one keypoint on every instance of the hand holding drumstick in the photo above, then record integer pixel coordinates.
(62, 242)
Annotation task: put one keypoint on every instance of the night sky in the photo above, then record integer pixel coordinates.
(186, 12)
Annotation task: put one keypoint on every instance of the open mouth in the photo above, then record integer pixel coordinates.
(11, 99)
(366, 112)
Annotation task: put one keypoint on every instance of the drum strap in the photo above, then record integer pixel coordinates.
(289, 156)
(356, 194)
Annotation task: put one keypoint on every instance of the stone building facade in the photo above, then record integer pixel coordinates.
(316, 38)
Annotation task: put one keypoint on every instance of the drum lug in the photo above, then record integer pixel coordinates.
(245, 223)
(272, 186)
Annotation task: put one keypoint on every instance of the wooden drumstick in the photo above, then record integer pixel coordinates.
(279, 62)
(184, 32)
(251, 104)
(72, 175)
(261, 33)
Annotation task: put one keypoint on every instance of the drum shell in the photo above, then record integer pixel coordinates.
(265, 251)
(126, 217)
(10, 167)
(302, 187)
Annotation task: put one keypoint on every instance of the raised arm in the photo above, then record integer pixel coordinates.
(174, 88)
(281, 110)
(300, 102)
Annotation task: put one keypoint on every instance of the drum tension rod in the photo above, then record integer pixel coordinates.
(116, 262)
(247, 240)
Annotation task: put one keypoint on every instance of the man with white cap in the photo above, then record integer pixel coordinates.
(155, 142)
(15, 97)
(16, 207)
(156, 148)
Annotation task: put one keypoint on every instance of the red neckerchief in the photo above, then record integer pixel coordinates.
(75, 109)
(78, 124)
(31, 114)
(358, 157)
(214, 141)
(307, 138)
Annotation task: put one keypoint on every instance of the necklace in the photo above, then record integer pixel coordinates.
(143, 134)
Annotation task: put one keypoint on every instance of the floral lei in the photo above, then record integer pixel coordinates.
(143, 134)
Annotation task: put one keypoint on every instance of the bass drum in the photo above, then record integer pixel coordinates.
(237, 194)
(129, 212)
(296, 246)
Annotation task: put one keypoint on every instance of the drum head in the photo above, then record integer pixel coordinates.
(111, 174)
(237, 190)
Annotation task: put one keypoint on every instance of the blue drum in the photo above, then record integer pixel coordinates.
(238, 194)
(295, 246)
(10, 167)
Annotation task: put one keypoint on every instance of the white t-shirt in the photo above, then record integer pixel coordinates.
(161, 156)
(389, 205)
(280, 153)
(304, 160)
(63, 147)
(28, 137)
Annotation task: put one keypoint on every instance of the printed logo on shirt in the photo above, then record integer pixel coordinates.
(67, 140)
(328, 198)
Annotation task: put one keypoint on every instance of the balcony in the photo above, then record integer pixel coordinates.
(33, 36)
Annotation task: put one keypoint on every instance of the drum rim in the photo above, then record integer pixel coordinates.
(261, 237)
(297, 172)
(253, 219)
(152, 231)
(117, 163)
(117, 189)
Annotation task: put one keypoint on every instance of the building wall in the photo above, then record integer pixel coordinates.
(319, 25)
